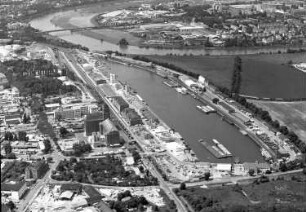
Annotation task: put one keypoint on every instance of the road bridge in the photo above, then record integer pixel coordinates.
(75, 29)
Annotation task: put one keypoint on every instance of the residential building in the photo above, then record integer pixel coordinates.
(15, 190)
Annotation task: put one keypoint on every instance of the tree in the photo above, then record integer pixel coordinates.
(8, 136)
(11, 205)
(251, 172)
(123, 42)
(215, 100)
(207, 176)
(11, 156)
(183, 186)
(283, 167)
(22, 136)
(7, 148)
(63, 132)
(49, 159)
(47, 148)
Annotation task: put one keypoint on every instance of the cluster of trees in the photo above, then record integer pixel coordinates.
(198, 201)
(14, 171)
(167, 65)
(236, 77)
(32, 67)
(81, 148)
(21, 136)
(133, 202)
(29, 34)
(265, 115)
(28, 84)
(123, 42)
(103, 171)
(46, 86)
(48, 147)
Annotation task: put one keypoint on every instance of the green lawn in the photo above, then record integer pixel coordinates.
(291, 114)
(263, 75)
(277, 195)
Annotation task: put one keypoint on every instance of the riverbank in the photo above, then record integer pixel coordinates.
(258, 75)
(110, 37)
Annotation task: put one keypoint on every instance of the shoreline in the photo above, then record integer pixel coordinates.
(285, 49)
(135, 42)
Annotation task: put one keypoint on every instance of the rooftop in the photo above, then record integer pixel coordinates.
(12, 186)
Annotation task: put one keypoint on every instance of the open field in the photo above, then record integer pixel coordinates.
(276, 195)
(291, 114)
(262, 76)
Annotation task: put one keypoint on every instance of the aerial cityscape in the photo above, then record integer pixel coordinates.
(150, 105)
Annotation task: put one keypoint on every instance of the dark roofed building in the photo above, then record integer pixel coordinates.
(73, 187)
(15, 190)
(110, 131)
(94, 195)
(36, 170)
(119, 103)
(92, 122)
(4, 208)
(131, 116)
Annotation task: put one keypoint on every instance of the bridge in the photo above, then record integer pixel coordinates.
(75, 29)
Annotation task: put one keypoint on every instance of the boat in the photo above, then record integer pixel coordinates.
(222, 148)
(181, 90)
(243, 132)
(206, 109)
(215, 149)
(170, 83)
(224, 118)
(265, 154)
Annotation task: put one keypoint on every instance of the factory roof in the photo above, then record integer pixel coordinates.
(94, 116)
(12, 186)
(108, 126)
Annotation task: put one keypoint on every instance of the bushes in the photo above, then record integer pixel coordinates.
(167, 65)
(103, 171)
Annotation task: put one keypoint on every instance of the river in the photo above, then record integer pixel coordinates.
(82, 17)
(178, 111)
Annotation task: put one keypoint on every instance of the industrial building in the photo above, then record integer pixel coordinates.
(111, 133)
(131, 116)
(119, 103)
(92, 122)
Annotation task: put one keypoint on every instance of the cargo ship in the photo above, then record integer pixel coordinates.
(218, 150)
(206, 109)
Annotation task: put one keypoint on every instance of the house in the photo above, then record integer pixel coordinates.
(15, 190)
(263, 167)
(73, 187)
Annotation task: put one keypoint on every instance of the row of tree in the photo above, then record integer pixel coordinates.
(167, 65)
(265, 115)
(236, 77)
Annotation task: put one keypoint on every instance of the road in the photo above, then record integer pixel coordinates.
(80, 72)
(33, 191)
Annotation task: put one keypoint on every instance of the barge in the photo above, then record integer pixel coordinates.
(218, 150)
(206, 109)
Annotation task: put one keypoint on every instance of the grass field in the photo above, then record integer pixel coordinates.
(291, 114)
(287, 194)
(263, 75)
